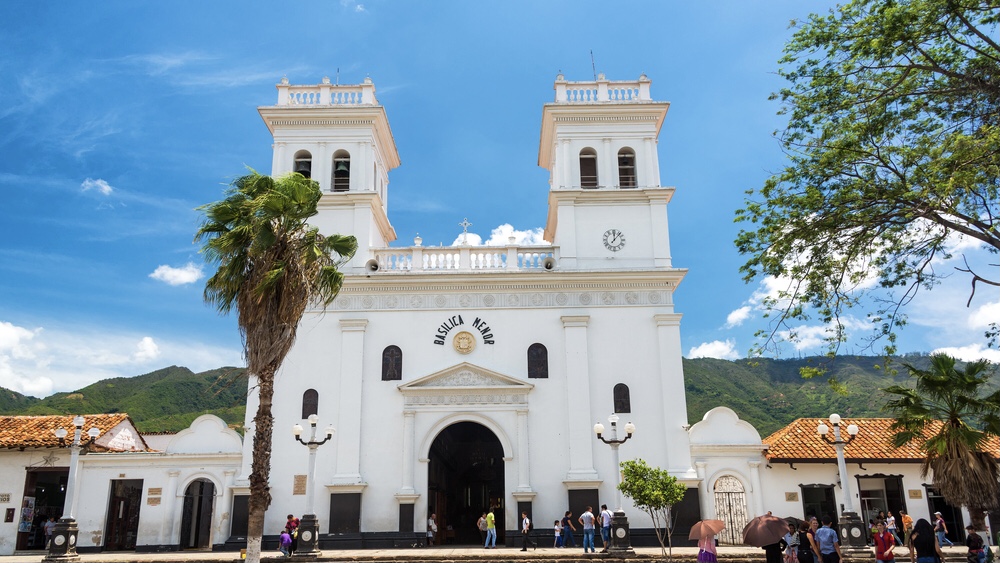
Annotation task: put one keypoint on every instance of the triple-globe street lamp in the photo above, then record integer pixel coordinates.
(620, 537)
(852, 535)
(64, 535)
(308, 538)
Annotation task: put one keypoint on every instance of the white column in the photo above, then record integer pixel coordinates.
(758, 501)
(581, 441)
(609, 176)
(322, 167)
(363, 168)
(407, 488)
(671, 378)
(224, 512)
(564, 163)
(707, 506)
(523, 475)
(649, 166)
(278, 164)
(349, 422)
(171, 515)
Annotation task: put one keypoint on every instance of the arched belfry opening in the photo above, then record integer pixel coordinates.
(196, 515)
(465, 477)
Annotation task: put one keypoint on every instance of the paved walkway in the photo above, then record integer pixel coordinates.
(446, 555)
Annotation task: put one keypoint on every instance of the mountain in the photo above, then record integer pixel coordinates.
(765, 392)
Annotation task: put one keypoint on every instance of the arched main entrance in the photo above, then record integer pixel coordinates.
(731, 508)
(465, 477)
(196, 518)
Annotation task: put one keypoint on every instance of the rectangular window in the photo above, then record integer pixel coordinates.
(345, 513)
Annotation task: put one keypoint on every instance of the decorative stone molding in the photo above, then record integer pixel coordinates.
(465, 384)
(352, 301)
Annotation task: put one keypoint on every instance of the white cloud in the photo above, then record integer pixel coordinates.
(189, 273)
(40, 362)
(500, 236)
(737, 317)
(971, 353)
(715, 349)
(99, 185)
(984, 315)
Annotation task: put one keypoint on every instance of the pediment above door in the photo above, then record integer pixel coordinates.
(468, 384)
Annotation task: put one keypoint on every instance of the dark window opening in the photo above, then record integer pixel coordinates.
(538, 361)
(588, 168)
(626, 169)
(392, 363)
(310, 403)
(341, 171)
(623, 402)
(303, 163)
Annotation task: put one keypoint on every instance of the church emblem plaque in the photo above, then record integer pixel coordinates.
(464, 342)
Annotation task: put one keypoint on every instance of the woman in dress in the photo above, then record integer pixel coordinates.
(792, 541)
(706, 549)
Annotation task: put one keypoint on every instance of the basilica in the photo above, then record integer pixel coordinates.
(460, 379)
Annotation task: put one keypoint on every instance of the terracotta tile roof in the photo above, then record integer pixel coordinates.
(19, 432)
(799, 441)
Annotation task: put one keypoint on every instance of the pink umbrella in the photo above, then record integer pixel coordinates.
(705, 528)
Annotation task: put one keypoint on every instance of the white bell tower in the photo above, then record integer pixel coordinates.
(607, 209)
(338, 135)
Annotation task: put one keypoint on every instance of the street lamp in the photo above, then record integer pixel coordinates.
(620, 540)
(63, 544)
(308, 544)
(852, 534)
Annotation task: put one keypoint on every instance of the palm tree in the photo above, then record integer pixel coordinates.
(271, 266)
(953, 419)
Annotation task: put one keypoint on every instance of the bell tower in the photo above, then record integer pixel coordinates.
(338, 135)
(607, 209)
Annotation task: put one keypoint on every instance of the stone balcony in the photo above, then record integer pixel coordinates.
(326, 94)
(463, 259)
(602, 90)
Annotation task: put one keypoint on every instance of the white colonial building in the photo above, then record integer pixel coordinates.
(467, 377)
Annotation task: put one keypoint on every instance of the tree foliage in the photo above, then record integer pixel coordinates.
(271, 265)
(654, 491)
(952, 415)
(893, 147)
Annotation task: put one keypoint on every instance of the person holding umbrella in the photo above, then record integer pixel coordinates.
(704, 531)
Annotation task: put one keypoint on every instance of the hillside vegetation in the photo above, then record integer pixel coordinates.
(766, 393)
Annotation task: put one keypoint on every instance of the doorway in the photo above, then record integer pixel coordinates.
(123, 514)
(196, 516)
(465, 477)
(818, 502)
(731, 508)
(44, 497)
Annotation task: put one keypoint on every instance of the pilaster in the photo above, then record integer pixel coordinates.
(349, 423)
(581, 444)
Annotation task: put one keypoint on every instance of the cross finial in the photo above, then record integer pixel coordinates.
(465, 224)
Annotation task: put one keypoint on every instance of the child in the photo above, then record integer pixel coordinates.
(285, 544)
(557, 529)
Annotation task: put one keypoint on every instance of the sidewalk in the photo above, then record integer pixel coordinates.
(445, 555)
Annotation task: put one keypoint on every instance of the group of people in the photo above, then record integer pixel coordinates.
(289, 536)
(562, 530)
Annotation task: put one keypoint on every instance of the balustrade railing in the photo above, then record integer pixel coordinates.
(602, 90)
(465, 258)
(326, 94)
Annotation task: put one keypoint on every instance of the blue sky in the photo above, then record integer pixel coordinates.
(118, 119)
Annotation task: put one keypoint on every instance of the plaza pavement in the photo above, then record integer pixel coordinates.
(734, 554)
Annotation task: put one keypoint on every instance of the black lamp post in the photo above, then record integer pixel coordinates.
(621, 541)
(64, 535)
(852, 535)
(308, 539)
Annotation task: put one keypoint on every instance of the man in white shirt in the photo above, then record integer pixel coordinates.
(605, 527)
(526, 532)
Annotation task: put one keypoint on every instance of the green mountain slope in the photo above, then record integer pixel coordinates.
(766, 393)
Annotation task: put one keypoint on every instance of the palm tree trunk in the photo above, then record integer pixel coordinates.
(260, 469)
(978, 517)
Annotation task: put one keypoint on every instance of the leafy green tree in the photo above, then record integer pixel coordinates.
(950, 415)
(271, 265)
(893, 146)
(654, 491)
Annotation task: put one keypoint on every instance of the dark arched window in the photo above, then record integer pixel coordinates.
(392, 363)
(588, 168)
(538, 361)
(626, 168)
(303, 163)
(622, 401)
(310, 403)
(341, 171)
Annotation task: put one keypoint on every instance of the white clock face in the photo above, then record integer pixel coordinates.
(614, 240)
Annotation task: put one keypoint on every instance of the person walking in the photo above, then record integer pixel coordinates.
(605, 527)
(829, 542)
(557, 530)
(890, 526)
(924, 545)
(587, 521)
(48, 527)
(941, 530)
(907, 525)
(526, 532)
(491, 531)
(481, 526)
(567, 529)
(432, 528)
(285, 543)
(884, 542)
(706, 550)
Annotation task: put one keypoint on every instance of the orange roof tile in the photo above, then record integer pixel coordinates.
(799, 441)
(39, 431)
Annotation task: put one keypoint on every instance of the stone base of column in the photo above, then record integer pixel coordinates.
(853, 538)
(308, 539)
(63, 544)
(621, 537)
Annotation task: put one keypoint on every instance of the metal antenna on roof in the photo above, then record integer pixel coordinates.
(592, 65)
(338, 76)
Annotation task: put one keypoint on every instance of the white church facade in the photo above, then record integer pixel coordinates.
(468, 377)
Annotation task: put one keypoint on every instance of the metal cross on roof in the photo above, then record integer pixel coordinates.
(465, 224)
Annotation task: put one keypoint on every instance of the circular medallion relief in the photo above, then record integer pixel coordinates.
(489, 300)
(307, 535)
(367, 302)
(464, 342)
(60, 539)
(416, 301)
(440, 300)
(620, 532)
(585, 298)
(72, 539)
(654, 297)
(465, 300)
(561, 299)
(856, 532)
